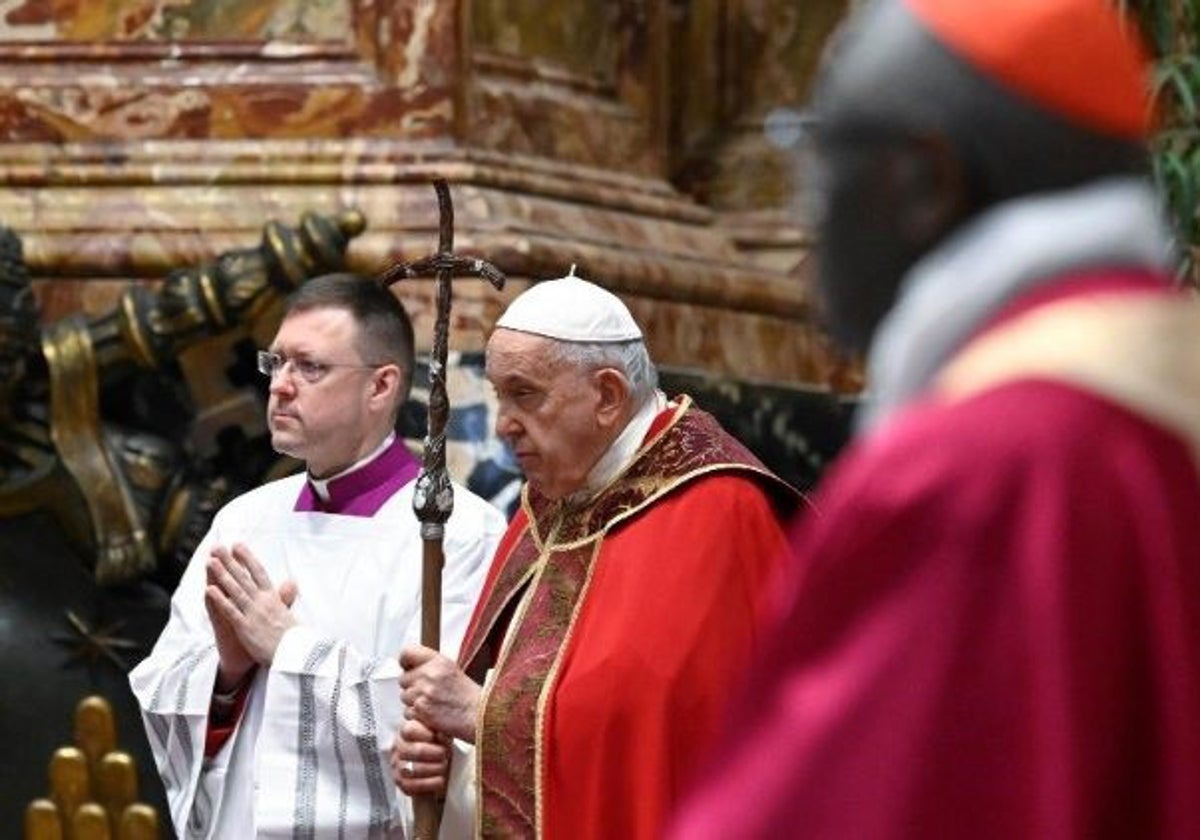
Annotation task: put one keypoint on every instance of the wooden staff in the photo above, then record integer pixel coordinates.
(433, 495)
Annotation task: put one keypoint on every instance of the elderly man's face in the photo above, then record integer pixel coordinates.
(549, 412)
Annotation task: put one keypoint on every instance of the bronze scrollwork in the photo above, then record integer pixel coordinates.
(129, 492)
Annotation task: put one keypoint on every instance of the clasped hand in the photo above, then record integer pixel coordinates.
(248, 613)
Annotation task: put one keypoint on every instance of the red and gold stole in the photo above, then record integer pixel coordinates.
(539, 593)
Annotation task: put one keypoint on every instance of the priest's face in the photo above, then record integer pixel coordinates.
(550, 412)
(324, 402)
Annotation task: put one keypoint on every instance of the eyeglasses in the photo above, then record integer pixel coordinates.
(309, 371)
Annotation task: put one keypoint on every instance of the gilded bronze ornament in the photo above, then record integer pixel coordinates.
(130, 492)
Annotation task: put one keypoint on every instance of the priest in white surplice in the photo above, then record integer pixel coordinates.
(271, 698)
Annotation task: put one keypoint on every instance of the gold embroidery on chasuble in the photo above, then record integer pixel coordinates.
(549, 569)
(1139, 352)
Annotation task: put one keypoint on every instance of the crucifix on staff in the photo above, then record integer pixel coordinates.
(433, 497)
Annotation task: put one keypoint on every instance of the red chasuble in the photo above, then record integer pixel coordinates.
(1000, 634)
(632, 616)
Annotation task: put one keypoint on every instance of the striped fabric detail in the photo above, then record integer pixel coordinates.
(168, 728)
(368, 748)
(304, 823)
(344, 787)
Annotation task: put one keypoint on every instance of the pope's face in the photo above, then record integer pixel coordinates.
(327, 423)
(549, 412)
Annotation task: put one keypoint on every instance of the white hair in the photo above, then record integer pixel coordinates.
(629, 357)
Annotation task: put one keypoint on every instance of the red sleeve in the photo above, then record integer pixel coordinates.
(219, 733)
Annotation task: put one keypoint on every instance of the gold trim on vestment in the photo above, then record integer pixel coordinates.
(604, 510)
(539, 721)
(1142, 352)
(528, 581)
(484, 630)
(568, 540)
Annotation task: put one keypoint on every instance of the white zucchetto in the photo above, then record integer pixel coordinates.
(571, 309)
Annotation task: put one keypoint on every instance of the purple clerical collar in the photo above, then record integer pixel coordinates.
(363, 490)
